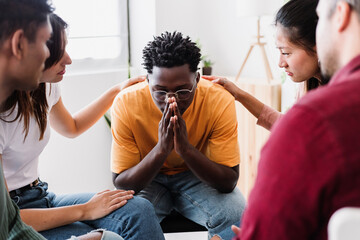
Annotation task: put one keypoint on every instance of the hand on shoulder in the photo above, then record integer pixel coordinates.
(223, 81)
(131, 81)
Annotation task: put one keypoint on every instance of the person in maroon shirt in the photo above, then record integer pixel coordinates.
(310, 167)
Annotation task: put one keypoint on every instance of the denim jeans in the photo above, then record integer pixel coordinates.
(106, 235)
(135, 220)
(197, 201)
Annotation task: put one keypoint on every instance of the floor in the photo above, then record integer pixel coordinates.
(187, 236)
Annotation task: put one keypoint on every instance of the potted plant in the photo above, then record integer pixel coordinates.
(207, 65)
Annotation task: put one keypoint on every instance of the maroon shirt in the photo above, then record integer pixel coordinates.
(310, 167)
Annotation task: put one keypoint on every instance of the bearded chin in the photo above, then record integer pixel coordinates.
(326, 74)
(329, 68)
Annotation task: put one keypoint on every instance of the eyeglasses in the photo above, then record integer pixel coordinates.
(182, 94)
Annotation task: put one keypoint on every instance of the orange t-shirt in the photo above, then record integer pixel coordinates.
(210, 122)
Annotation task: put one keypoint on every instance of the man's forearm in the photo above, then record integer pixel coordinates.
(218, 176)
(139, 176)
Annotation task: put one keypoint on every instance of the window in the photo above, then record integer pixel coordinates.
(97, 32)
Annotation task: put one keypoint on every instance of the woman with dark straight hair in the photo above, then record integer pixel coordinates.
(26, 133)
(295, 38)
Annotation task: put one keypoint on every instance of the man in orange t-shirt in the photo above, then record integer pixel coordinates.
(175, 139)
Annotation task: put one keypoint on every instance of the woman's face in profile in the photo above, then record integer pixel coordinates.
(299, 64)
(56, 72)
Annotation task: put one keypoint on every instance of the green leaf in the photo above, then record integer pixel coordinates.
(107, 117)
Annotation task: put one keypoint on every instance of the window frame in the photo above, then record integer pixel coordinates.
(119, 63)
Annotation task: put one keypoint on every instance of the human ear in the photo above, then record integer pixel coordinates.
(197, 77)
(343, 15)
(18, 44)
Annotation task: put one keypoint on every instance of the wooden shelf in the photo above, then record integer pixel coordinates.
(251, 136)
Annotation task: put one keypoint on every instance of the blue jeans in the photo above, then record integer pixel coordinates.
(135, 220)
(106, 235)
(197, 201)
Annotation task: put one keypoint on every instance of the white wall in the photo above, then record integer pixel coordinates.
(81, 164)
(142, 29)
(223, 36)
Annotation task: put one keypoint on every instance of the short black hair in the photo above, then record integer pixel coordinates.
(56, 43)
(27, 15)
(171, 50)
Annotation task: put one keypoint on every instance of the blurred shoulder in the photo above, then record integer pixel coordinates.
(214, 92)
(137, 91)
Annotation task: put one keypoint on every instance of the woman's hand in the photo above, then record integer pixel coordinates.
(228, 85)
(236, 230)
(103, 203)
(131, 81)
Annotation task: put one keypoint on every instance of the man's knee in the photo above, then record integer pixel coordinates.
(230, 210)
(139, 207)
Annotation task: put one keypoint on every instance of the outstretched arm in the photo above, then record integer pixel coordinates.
(266, 115)
(73, 125)
(98, 206)
(252, 104)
